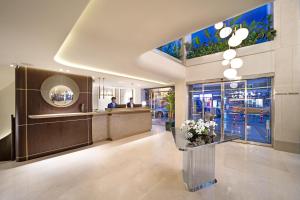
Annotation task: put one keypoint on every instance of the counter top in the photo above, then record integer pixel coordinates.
(107, 112)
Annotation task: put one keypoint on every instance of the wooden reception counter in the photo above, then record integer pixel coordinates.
(112, 124)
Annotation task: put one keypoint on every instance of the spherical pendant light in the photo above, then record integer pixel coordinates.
(236, 63)
(234, 85)
(229, 54)
(230, 73)
(219, 25)
(225, 32)
(234, 41)
(225, 62)
(242, 33)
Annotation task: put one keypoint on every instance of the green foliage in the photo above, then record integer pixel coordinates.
(258, 31)
(171, 104)
(172, 49)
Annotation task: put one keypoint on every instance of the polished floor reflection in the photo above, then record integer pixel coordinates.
(149, 167)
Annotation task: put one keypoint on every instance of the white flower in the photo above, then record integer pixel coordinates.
(207, 124)
(188, 135)
(212, 123)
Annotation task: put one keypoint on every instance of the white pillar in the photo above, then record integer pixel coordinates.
(181, 102)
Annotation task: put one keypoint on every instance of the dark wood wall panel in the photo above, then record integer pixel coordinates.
(38, 137)
(21, 143)
(5, 148)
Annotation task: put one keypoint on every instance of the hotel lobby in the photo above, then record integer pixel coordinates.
(179, 100)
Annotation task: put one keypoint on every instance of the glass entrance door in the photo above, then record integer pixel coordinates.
(239, 107)
(259, 101)
(234, 109)
(212, 104)
(195, 102)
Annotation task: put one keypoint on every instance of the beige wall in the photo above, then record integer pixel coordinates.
(287, 76)
(281, 57)
(258, 59)
(7, 99)
(181, 102)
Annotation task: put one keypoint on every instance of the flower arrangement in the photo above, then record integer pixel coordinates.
(199, 132)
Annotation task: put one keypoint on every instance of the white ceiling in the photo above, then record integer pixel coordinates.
(33, 30)
(111, 36)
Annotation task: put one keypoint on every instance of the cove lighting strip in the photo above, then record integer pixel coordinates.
(94, 69)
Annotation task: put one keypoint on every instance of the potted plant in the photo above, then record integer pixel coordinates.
(171, 109)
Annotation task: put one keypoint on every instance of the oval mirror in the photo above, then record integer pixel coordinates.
(60, 91)
(61, 95)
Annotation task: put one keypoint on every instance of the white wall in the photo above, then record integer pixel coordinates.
(7, 99)
(137, 95)
(281, 57)
(103, 102)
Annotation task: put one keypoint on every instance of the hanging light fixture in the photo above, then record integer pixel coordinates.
(230, 73)
(225, 32)
(219, 25)
(236, 63)
(234, 85)
(242, 33)
(229, 54)
(234, 41)
(225, 62)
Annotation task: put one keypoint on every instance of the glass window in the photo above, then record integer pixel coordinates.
(156, 100)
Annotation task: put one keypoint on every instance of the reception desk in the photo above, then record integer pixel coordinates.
(127, 123)
(119, 123)
(59, 132)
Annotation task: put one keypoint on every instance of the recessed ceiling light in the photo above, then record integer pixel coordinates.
(60, 70)
(67, 70)
(12, 65)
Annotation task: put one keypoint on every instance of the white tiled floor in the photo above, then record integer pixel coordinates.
(148, 166)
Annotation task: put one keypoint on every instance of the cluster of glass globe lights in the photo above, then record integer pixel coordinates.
(237, 37)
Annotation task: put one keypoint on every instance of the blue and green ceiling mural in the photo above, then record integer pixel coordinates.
(258, 21)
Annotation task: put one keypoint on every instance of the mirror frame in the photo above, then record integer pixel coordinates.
(57, 80)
